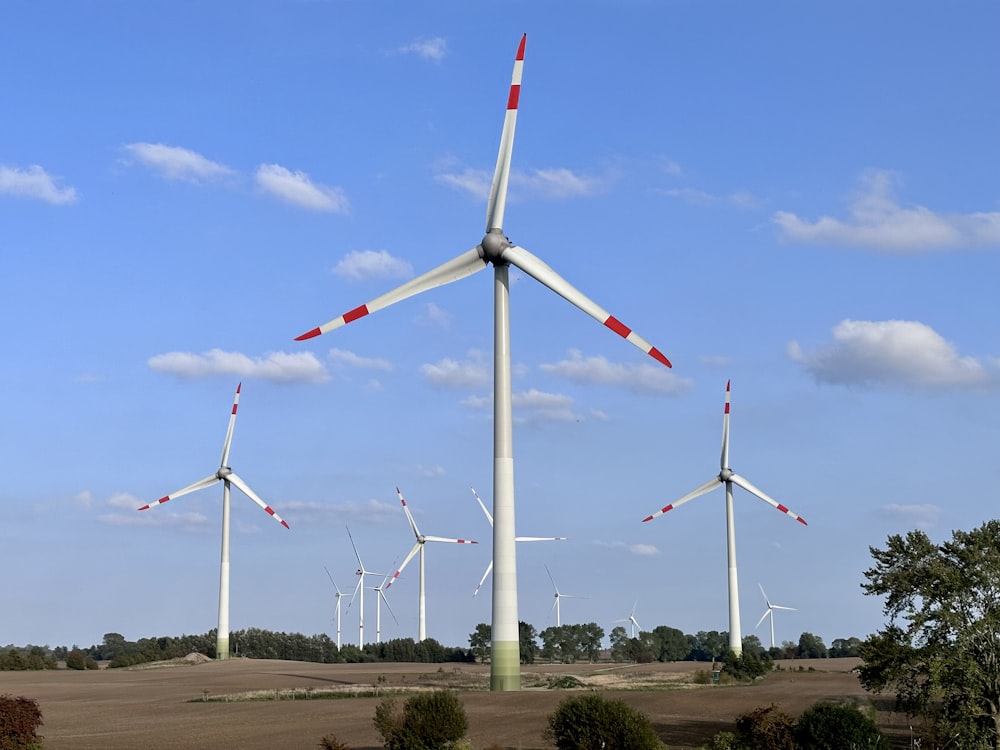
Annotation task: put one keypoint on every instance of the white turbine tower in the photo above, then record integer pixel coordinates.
(380, 594)
(633, 624)
(495, 248)
(728, 478)
(769, 613)
(558, 596)
(418, 546)
(228, 477)
(339, 595)
(361, 572)
(489, 518)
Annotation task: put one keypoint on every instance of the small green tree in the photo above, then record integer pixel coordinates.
(766, 728)
(480, 642)
(76, 659)
(828, 726)
(19, 721)
(749, 665)
(591, 722)
(429, 721)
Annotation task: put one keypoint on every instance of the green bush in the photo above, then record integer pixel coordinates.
(19, 721)
(766, 728)
(330, 742)
(429, 721)
(590, 722)
(828, 726)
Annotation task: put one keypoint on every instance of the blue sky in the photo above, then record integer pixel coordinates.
(800, 198)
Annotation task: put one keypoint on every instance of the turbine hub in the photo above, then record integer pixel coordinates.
(725, 475)
(223, 472)
(493, 244)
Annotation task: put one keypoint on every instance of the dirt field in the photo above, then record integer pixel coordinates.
(182, 706)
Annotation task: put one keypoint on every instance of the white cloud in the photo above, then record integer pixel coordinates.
(740, 199)
(877, 221)
(450, 373)
(358, 265)
(891, 352)
(433, 48)
(531, 406)
(433, 315)
(351, 359)
(640, 378)
(297, 188)
(475, 182)
(431, 472)
(84, 498)
(370, 511)
(645, 550)
(553, 183)
(276, 367)
(923, 516)
(176, 163)
(34, 182)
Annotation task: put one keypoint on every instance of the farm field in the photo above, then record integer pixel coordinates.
(182, 705)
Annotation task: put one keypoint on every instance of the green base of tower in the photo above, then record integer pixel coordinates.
(505, 666)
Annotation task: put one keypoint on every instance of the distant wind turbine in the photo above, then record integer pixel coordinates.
(489, 518)
(769, 613)
(634, 625)
(228, 477)
(339, 595)
(558, 596)
(418, 546)
(496, 249)
(380, 594)
(728, 478)
(361, 572)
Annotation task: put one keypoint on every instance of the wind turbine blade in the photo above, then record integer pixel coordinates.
(766, 600)
(464, 265)
(489, 569)
(416, 548)
(544, 274)
(539, 539)
(709, 485)
(742, 482)
(409, 516)
(253, 496)
(724, 461)
(553, 580)
(482, 505)
(361, 565)
(332, 581)
(357, 588)
(381, 593)
(778, 606)
(446, 539)
(498, 189)
(200, 484)
(232, 423)
(762, 617)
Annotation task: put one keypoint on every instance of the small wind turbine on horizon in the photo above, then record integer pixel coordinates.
(634, 625)
(418, 546)
(496, 249)
(558, 596)
(339, 595)
(489, 517)
(728, 478)
(380, 594)
(769, 612)
(361, 572)
(228, 477)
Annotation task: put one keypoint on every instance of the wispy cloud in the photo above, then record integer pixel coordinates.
(344, 357)
(450, 373)
(34, 182)
(639, 378)
(123, 510)
(433, 315)
(428, 48)
(177, 163)
(644, 550)
(359, 265)
(297, 188)
(892, 353)
(555, 184)
(876, 220)
(532, 406)
(369, 511)
(276, 367)
(696, 197)
(923, 516)
(431, 472)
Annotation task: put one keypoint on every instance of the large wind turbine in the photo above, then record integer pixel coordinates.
(489, 517)
(769, 612)
(361, 572)
(228, 477)
(418, 546)
(558, 596)
(497, 249)
(728, 478)
(339, 595)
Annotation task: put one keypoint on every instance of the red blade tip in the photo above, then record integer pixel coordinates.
(309, 335)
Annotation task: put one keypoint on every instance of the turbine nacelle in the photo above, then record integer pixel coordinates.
(725, 475)
(493, 245)
(223, 472)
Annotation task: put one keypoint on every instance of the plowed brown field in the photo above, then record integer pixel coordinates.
(165, 707)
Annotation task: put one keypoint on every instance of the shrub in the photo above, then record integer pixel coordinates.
(828, 726)
(330, 742)
(429, 721)
(766, 728)
(590, 722)
(19, 721)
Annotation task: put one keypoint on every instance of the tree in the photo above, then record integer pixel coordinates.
(844, 647)
(765, 728)
(669, 644)
(591, 722)
(619, 644)
(480, 642)
(429, 721)
(811, 647)
(828, 726)
(528, 642)
(940, 650)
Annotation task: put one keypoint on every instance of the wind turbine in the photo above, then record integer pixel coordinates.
(558, 595)
(228, 477)
(418, 546)
(339, 595)
(497, 249)
(361, 572)
(380, 593)
(769, 612)
(634, 625)
(489, 518)
(728, 478)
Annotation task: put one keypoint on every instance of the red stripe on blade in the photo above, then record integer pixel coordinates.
(357, 312)
(617, 326)
(515, 93)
